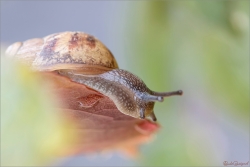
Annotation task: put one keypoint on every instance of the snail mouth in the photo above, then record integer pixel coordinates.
(152, 116)
(147, 113)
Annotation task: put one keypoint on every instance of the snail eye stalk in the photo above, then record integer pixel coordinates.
(159, 96)
(166, 94)
(153, 98)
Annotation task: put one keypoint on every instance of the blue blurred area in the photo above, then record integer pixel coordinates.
(22, 20)
(95, 160)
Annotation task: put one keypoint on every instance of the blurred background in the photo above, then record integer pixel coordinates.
(201, 47)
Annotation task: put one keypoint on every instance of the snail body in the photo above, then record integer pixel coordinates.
(85, 60)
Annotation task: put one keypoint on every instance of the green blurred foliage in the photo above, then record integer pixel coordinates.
(32, 131)
(171, 31)
(201, 47)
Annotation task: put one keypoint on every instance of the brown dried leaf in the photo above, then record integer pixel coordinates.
(101, 126)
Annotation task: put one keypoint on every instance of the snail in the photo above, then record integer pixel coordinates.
(85, 60)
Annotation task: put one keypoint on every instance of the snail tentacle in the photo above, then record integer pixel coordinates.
(166, 94)
(149, 97)
(142, 113)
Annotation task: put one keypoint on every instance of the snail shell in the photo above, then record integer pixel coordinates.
(85, 60)
(66, 50)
